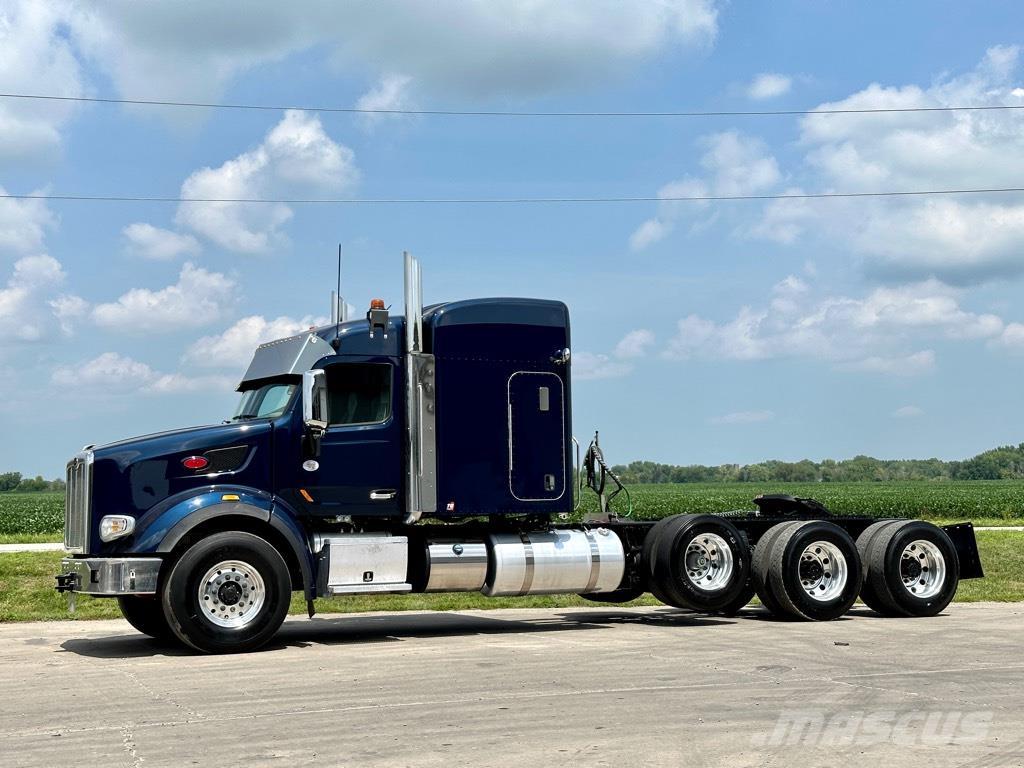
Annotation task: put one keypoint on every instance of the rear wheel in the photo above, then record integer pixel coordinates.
(867, 592)
(146, 615)
(740, 602)
(913, 569)
(702, 563)
(649, 551)
(760, 568)
(227, 593)
(815, 570)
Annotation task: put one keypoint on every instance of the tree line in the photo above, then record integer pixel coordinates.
(13, 481)
(1003, 463)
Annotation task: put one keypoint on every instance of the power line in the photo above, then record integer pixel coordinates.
(511, 113)
(498, 200)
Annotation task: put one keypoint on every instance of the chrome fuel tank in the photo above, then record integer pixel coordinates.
(551, 562)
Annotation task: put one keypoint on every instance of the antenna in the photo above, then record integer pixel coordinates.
(337, 310)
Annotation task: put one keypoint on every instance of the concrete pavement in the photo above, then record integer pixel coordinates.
(597, 686)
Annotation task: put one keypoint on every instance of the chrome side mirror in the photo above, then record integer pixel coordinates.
(314, 399)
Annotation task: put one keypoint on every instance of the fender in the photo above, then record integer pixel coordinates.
(164, 526)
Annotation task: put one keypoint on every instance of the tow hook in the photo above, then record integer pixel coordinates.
(66, 582)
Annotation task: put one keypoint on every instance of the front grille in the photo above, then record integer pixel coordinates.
(78, 502)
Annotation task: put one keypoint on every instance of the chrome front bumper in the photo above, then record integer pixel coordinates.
(109, 576)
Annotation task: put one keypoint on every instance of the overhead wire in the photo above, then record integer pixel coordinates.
(514, 113)
(501, 200)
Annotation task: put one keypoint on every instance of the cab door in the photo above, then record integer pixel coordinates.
(359, 469)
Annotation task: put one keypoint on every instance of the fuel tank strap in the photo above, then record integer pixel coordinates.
(595, 561)
(531, 565)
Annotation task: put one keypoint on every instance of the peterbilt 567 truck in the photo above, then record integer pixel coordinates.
(432, 452)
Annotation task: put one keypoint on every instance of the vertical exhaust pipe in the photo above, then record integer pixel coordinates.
(421, 491)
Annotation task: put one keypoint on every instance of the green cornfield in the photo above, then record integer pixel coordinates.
(989, 500)
(30, 513)
(947, 500)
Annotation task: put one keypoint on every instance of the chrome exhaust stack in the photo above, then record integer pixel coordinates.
(421, 472)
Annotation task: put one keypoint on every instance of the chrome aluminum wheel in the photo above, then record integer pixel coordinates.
(709, 562)
(231, 594)
(823, 571)
(923, 569)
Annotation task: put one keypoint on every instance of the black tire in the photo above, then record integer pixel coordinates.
(740, 602)
(760, 565)
(893, 556)
(146, 614)
(796, 561)
(647, 556)
(266, 576)
(690, 560)
(868, 594)
(622, 595)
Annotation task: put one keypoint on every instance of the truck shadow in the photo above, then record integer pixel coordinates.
(343, 629)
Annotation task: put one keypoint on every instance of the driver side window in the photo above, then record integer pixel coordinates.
(358, 393)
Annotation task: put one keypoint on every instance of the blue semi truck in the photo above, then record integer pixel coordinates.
(432, 452)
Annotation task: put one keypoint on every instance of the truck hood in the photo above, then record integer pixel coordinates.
(132, 476)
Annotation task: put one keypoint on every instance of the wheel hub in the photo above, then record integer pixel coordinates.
(708, 562)
(923, 569)
(231, 594)
(823, 571)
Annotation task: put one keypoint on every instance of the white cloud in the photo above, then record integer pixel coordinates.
(23, 223)
(461, 48)
(1012, 338)
(297, 155)
(234, 347)
(172, 383)
(151, 242)
(28, 309)
(908, 412)
(743, 417)
(866, 334)
(733, 164)
(588, 366)
(769, 85)
(390, 93)
(111, 372)
(67, 309)
(36, 56)
(634, 344)
(907, 365)
(960, 240)
(198, 298)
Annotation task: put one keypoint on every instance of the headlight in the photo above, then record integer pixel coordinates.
(115, 526)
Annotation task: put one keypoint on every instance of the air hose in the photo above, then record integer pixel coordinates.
(598, 475)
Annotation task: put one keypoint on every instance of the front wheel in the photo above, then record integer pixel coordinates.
(146, 615)
(227, 593)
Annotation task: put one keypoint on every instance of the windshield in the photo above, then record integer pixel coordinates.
(265, 402)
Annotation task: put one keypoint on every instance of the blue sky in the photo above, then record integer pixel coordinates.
(722, 332)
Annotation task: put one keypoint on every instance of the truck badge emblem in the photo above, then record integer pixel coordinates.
(310, 465)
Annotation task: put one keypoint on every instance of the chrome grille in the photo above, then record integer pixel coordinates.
(77, 503)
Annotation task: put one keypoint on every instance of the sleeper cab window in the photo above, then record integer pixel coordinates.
(358, 393)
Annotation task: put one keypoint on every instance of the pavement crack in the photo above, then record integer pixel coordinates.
(161, 697)
(128, 741)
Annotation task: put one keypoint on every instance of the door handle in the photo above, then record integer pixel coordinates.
(383, 494)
